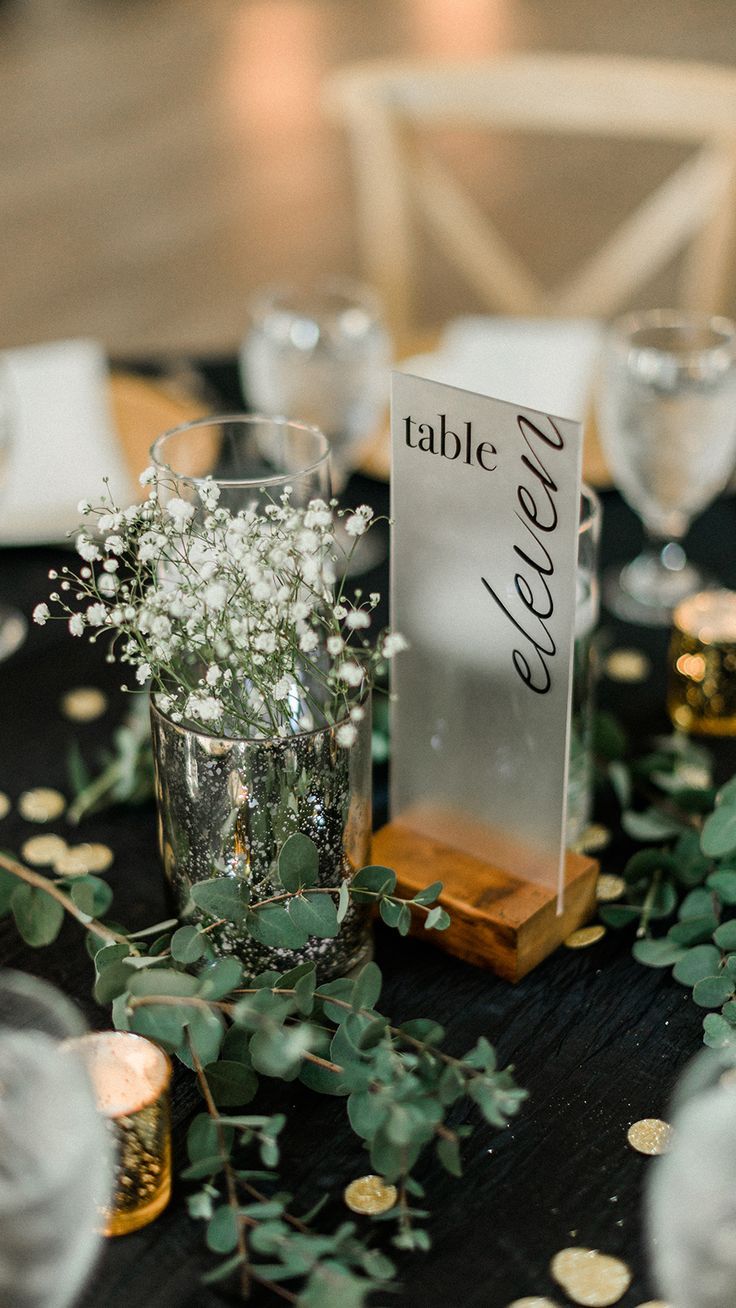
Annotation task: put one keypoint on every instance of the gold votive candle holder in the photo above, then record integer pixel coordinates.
(701, 692)
(131, 1076)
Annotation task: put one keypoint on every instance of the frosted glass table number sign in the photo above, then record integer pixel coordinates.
(485, 508)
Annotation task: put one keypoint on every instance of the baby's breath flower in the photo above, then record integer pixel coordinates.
(281, 689)
(96, 614)
(148, 476)
(41, 614)
(76, 624)
(346, 734)
(357, 618)
(335, 645)
(394, 643)
(351, 673)
(87, 549)
(180, 511)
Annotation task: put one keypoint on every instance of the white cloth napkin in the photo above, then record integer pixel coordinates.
(62, 440)
(541, 363)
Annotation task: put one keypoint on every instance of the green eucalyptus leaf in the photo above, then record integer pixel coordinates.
(727, 793)
(304, 992)
(437, 919)
(619, 915)
(91, 895)
(368, 1111)
(718, 1033)
(448, 1153)
(403, 926)
(298, 862)
(316, 914)
(205, 1029)
(650, 825)
(620, 779)
(203, 1138)
(222, 1230)
(693, 931)
(342, 988)
(718, 836)
(713, 991)
(8, 884)
(343, 903)
(331, 1285)
(113, 981)
(645, 862)
(224, 1270)
(38, 917)
(658, 953)
(219, 978)
(276, 926)
(609, 737)
(279, 1051)
(163, 981)
(231, 1084)
(702, 961)
(428, 896)
(110, 954)
(424, 1029)
(163, 1023)
(370, 882)
(222, 897)
(697, 903)
(187, 945)
(725, 935)
(723, 882)
(367, 990)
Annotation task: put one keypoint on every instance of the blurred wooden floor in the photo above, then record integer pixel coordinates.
(161, 158)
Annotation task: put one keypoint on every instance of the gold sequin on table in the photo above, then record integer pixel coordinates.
(592, 1279)
(97, 857)
(41, 804)
(84, 704)
(594, 837)
(609, 887)
(649, 1136)
(585, 936)
(370, 1194)
(43, 851)
(71, 862)
(627, 666)
(4, 804)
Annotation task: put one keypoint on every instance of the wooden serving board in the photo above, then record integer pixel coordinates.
(498, 921)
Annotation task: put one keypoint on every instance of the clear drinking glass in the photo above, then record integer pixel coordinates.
(55, 1167)
(587, 606)
(667, 412)
(253, 459)
(13, 626)
(322, 354)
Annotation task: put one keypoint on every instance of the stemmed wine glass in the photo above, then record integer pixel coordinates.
(13, 626)
(667, 413)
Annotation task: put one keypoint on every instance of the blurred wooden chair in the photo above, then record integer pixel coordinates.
(387, 106)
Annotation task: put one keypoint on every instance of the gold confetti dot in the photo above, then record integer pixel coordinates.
(533, 1301)
(41, 804)
(43, 851)
(627, 665)
(97, 857)
(84, 704)
(649, 1136)
(370, 1194)
(609, 887)
(4, 804)
(594, 837)
(585, 936)
(71, 862)
(592, 1279)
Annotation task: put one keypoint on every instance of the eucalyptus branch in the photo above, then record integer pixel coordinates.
(49, 888)
(232, 1193)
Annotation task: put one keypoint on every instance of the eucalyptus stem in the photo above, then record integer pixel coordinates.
(40, 882)
(232, 1193)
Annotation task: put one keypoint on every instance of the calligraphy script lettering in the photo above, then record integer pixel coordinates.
(539, 518)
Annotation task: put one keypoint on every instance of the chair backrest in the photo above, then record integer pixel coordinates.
(388, 106)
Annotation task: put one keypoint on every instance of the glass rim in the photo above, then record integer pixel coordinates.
(246, 420)
(277, 295)
(594, 509)
(62, 1011)
(78, 1044)
(261, 741)
(624, 329)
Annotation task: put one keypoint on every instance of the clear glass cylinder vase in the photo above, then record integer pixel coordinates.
(225, 807)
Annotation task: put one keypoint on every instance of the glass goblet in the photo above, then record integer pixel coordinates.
(55, 1166)
(667, 414)
(13, 626)
(322, 354)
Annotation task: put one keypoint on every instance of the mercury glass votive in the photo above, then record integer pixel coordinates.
(701, 695)
(131, 1078)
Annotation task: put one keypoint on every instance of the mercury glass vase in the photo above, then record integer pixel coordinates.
(225, 807)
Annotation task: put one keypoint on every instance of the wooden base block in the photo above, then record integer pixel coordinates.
(498, 921)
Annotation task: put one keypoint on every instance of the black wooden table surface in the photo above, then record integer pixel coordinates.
(597, 1039)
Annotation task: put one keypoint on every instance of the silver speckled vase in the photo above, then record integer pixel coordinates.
(226, 806)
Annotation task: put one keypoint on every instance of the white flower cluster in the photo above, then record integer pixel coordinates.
(237, 620)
